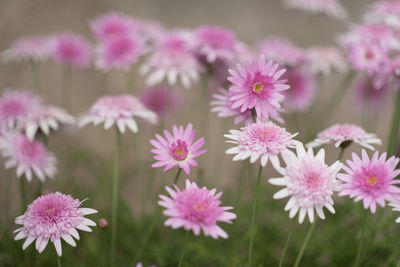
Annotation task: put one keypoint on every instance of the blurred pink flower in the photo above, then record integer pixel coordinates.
(282, 51)
(371, 180)
(325, 60)
(370, 95)
(34, 48)
(367, 57)
(386, 12)
(196, 209)
(332, 8)
(51, 218)
(71, 49)
(111, 25)
(177, 149)
(120, 110)
(160, 99)
(264, 141)
(257, 86)
(29, 157)
(308, 181)
(301, 92)
(340, 133)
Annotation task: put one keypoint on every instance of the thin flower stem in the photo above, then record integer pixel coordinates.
(305, 243)
(66, 86)
(22, 192)
(129, 83)
(286, 245)
(184, 249)
(58, 261)
(394, 131)
(178, 174)
(115, 196)
(253, 216)
(254, 115)
(362, 239)
(341, 153)
(35, 76)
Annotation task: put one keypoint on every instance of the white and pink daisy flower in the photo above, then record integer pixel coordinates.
(264, 141)
(325, 60)
(120, 110)
(257, 86)
(301, 92)
(111, 25)
(28, 48)
(53, 217)
(177, 149)
(71, 49)
(332, 8)
(386, 12)
(308, 181)
(282, 51)
(370, 180)
(196, 209)
(29, 157)
(345, 134)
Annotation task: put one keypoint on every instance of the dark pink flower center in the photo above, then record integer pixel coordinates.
(369, 54)
(179, 150)
(121, 47)
(13, 108)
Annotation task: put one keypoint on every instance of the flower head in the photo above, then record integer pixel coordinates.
(344, 134)
(264, 141)
(325, 60)
(111, 25)
(29, 157)
(370, 180)
(282, 51)
(71, 49)
(177, 149)
(160, 99)
(34, 48)
(308, 181)
(196, 209)
(332, 8)
(386, 12)
(258, 86)
(53, 217)
(370, 95)
(119, 110)
(367, 57)
(302, 90)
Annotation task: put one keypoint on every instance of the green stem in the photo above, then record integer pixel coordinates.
(184, 249)
(286, 245)
(305, 243)
(254, 115)
(341, 153)
(178, 174)
(22, 192)
(35, 76)
(362, 239)
(58, 261)
(115, 197)
(253, 216)
(394, 131)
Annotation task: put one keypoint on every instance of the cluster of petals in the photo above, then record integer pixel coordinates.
(325, 60)
(282, 51)
(53, 217)
(332, 8)
(160, 99)
(28, 48)
(177, 149)
(196, 209)
(111, 25)
(71, 49)
(384, 12)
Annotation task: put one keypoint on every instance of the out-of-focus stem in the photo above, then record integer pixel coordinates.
(114, 211)
(184, 249)
(362, 239)
(22, 192)
(394, 130)
(286, 245)
(305, 243)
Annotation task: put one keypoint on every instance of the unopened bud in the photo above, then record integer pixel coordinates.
(102, 224)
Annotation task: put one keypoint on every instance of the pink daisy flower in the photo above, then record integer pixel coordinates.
(120, 110)
(29, 157)
(332, 8)
(367, 57)
(308, 181)
(215, 42)
(282, 51)
(173, 60)
(370, 180)
(345, 133)
(71, 49)
(325, 60)
(53, 217)
(264, 141)
(386, 12)
(119, 52)
(111, 25)
(196, 209)
(302, 90)
(258, 86)
(177, 149)
(160, 99)
(29, 48)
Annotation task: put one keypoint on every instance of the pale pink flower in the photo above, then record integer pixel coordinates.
(120, 110)
(370, 95)
(196, 209)
(308, 181)
(325, 60)
(257, 86)
(344, 134)
(282, 51)
(28, 48)
(264, 141)
(110, 25)
(370, 180)
(161, 99)
(151, 32)
(386, 12)
(29, 157)
(71, 49)
(177, 149)
(301, 92)
(332, 8)
(367, 57)
(174, 60)
(53, 217)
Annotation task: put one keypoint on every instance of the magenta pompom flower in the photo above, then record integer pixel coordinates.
(345, 133)
(110, 25)
(308, 181)
(177, 149)
(53, 217)
(282, 51)
(264, 141)
(71, 49)
(332, 8)
(29, 48)
(371, 180)
(257, 86)
(302, 90)
(120, 110)
(29, 157)
(196, 209)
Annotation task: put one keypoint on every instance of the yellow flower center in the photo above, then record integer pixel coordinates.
(257, 87)
(199, 207)
(371, 180)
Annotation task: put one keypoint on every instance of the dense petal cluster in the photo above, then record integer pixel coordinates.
(196, 209)
(332, 8)
(71, 49)
(111, 25)
(28, 48)
(53, 217)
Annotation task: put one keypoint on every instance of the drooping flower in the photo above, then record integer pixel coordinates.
(174, 60)
(345, 134)
(177, 149)
(160, 99)
(29, 157)
(257, 86)
(282, 51)
(264, 141)
(325, 60)
(71, 49)
(371, 180)
(332, 8)
(301, 92)
(120, 110)
(28, 48)
(386, 12)
(196, 209)
(111, 25)
(308, 181)
(53, 217)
